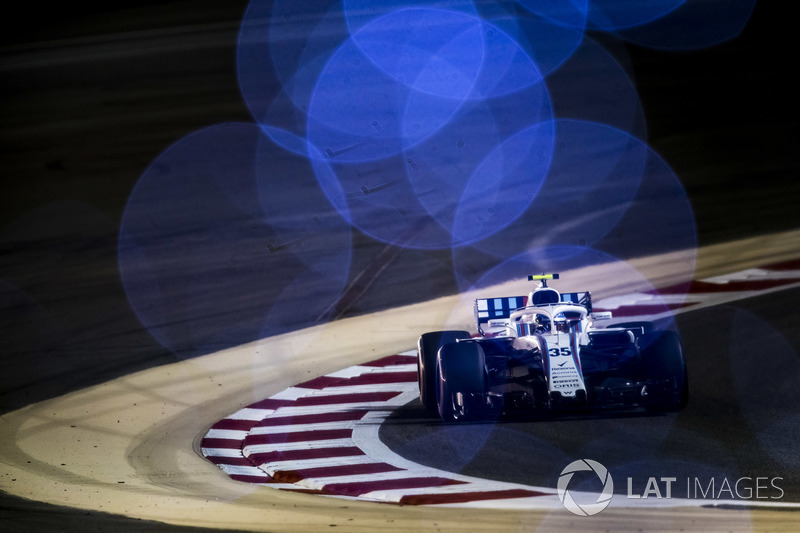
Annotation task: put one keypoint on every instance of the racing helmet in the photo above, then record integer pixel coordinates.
(560, 323)
(542, 323)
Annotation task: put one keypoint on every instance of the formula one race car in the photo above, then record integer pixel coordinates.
(542, 354)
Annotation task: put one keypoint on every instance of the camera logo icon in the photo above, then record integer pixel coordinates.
(603, 499)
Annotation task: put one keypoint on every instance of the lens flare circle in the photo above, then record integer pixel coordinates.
(207, 263)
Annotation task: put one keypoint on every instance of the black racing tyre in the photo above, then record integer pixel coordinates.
(427, 347)
(665, 371)
(461, 369)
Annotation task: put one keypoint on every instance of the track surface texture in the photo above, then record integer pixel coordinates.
(92, 94)
(320, 436)
(125, 445)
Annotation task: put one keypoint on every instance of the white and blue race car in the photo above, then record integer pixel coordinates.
(542, 354)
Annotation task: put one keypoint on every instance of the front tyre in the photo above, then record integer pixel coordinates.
(461, 380)
(427, 348)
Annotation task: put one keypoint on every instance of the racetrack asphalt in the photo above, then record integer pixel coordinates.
(125, 445)
(738, 423)
(91, 96)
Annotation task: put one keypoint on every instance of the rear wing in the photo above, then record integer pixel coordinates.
(583, 299)
(487, 309)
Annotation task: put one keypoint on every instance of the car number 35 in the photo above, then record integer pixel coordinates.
(559, 352)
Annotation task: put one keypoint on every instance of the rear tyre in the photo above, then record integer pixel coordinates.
(462, 380)
(664, 369)
(427, 348)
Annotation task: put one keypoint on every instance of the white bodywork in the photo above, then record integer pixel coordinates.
(561, 329)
